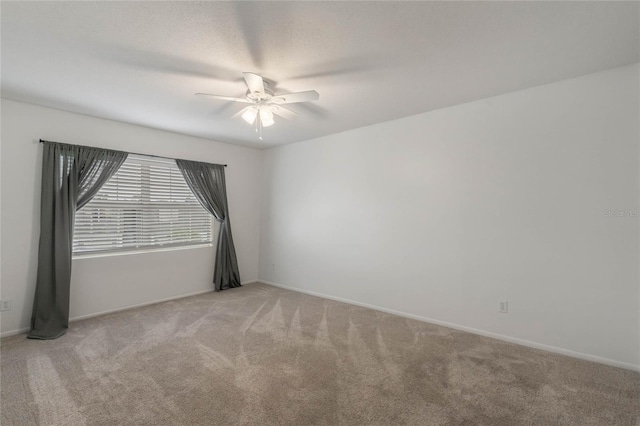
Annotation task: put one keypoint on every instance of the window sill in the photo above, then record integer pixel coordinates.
(77, 256)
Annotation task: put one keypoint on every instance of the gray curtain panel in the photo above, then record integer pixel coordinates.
(71, 176)
(208, 184)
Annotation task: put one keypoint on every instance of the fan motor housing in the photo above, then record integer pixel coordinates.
(259, 97)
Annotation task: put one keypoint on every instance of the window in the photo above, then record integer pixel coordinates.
(145, 205)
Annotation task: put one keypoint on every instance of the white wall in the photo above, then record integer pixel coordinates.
(107, 283)
(444, 214)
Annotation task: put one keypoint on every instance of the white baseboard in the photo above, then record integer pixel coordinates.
(137, 305)
(14, 332)
(122, 308)
(528, 343)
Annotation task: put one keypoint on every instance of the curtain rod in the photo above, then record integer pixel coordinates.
(134, 153)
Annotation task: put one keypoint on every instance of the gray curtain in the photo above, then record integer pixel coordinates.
(71, 176)
(207, 183)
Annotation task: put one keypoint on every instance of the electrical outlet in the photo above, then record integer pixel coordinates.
(504, 307)
(5, 305)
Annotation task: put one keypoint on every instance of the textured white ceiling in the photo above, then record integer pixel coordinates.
(141, 62)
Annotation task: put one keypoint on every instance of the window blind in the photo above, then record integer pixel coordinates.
(145, 205)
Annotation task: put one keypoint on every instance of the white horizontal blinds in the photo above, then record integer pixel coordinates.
(146, 204)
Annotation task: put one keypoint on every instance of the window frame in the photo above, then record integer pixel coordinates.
(144, 208)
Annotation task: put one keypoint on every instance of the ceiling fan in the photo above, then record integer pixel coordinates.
(263, 103)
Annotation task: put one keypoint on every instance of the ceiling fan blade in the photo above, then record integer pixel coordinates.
(225, 98)
(284, 112)
(290, 98)
(255, 83)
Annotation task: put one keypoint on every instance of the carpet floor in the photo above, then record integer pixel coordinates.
(260, 355)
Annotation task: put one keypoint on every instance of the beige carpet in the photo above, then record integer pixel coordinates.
(261, 355)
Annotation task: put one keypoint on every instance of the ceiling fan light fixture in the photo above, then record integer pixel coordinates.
(266, 117)
(250, 115)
